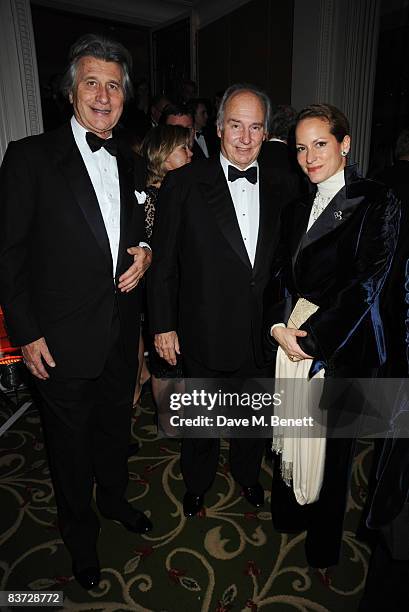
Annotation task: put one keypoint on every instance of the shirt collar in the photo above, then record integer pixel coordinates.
(80, 132)
(225, 163)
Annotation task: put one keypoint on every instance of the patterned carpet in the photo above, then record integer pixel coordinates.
(229, 559)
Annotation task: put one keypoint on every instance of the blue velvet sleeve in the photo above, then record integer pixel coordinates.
(329, 329)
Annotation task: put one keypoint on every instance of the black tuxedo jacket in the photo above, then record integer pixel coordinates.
(341, 265)
(56, 271)
(197, 151)
(212, 143)
(279, 160)
(276, 154)
(201, 283)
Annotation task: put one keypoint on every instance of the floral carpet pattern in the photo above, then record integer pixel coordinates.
(228, 559)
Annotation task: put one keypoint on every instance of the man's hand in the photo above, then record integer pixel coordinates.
(142, 258)
(287, 339)
(167, 345)
(34, 354)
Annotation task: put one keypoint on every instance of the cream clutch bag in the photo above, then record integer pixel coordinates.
(301, 312)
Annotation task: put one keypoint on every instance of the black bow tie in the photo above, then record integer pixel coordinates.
(95, 143)
(199, 133)
(250, 174)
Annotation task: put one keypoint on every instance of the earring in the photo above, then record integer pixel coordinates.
(344, 153)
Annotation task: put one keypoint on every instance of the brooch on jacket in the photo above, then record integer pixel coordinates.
(338, 215)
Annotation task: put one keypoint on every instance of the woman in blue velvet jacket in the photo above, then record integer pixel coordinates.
(338, 246)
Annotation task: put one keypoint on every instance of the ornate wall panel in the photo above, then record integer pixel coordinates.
(20, 108)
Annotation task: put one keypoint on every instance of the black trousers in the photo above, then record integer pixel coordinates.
(86, 425)
(324, 519)
(200, 456)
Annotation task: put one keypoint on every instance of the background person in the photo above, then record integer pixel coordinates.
(278, 152)
(165, 148)
(394, 305)
(205, 139)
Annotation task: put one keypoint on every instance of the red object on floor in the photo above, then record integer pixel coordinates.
(8, 352)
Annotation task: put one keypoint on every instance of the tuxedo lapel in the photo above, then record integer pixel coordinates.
(301, 217)
(126, 184)
(219, 199)
(268, 211)
(338, 211)
(72, 166)
(197, 151)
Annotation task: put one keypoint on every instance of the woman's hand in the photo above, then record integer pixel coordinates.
(287, 339)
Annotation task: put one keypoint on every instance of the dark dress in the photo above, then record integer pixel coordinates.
(158, 366)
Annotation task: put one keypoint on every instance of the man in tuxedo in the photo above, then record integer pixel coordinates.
(158, 103)
(215, 237)
(200, 118)
(181, 114)
(177, 114)
(69, 275)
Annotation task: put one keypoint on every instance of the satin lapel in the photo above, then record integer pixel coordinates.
(301, 217)
(72, 166)
(126, 185)
(218, 196)
(269, 211)
(338, 211)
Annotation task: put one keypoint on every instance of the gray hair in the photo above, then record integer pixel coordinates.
(101, 48)
(239, 88)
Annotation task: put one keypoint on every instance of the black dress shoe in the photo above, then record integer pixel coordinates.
(88, 578)
(133, 520)
(192, 504)
(138, 523)
(254, 495)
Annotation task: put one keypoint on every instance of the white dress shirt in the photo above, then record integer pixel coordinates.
(246, 201)
(103, 172)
